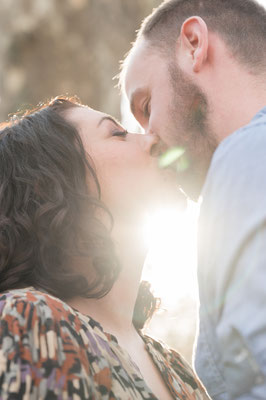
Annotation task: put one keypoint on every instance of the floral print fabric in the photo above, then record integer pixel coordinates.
(50, 351)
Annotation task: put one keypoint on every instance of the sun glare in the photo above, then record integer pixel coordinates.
(170, 266)
(171, 263)
(262, 2)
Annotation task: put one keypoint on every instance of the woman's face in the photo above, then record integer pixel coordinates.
(125, 165)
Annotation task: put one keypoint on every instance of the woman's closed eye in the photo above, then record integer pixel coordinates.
(120, 133)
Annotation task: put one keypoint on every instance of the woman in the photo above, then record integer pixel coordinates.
(70, 322)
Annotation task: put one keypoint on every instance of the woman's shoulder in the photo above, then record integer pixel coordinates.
(29, 307)
(17, 298)
(43, 340)
(28, 304)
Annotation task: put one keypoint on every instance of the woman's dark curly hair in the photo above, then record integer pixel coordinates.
(48, 217)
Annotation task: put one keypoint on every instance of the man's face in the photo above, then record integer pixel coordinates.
(166, 102)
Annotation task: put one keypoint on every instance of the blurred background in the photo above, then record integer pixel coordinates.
(52, 47)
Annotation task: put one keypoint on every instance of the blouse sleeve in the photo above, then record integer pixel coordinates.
(39, 355)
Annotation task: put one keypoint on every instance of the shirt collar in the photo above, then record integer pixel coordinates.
(259, 114)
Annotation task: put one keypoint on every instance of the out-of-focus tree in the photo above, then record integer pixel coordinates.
(51, 47)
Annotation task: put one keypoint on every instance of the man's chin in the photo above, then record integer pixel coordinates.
(191, 184)
(167, 194)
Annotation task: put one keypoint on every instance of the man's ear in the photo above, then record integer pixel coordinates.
(193, 43)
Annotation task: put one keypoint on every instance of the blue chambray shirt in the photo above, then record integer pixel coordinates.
(231, 348)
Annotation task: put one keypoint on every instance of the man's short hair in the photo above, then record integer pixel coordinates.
(240, 23)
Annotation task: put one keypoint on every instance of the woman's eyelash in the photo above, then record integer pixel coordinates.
(120, 133)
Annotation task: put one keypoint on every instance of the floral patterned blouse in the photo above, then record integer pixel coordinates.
(50, 351)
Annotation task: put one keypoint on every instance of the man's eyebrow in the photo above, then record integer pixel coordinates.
(108, 118)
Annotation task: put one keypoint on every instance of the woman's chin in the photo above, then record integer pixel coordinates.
(144, 195)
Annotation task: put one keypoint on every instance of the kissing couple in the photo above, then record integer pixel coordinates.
(74, 185)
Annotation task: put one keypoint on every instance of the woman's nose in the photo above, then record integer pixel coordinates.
(150, 143)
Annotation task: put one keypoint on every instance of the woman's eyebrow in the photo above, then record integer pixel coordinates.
(108, 118)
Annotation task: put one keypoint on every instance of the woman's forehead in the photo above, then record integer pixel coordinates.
(84, 116)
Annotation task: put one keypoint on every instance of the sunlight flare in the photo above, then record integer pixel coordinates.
(171, 263)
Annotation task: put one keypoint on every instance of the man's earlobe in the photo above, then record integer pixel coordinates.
(193, 42)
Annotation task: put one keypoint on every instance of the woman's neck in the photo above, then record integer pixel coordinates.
(115, 310)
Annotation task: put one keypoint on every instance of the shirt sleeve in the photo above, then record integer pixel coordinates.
(242, 329)
(231, 351)
(38, 360)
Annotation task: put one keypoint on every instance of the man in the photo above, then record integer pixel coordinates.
(196, 76)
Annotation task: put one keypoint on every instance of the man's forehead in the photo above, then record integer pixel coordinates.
(139, 66)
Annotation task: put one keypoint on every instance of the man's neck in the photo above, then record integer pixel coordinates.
(239, 111)
(235, 92)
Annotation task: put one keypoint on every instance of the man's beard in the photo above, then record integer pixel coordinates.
(189, 113)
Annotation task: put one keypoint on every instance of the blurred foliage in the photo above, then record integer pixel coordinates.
(51, 47)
